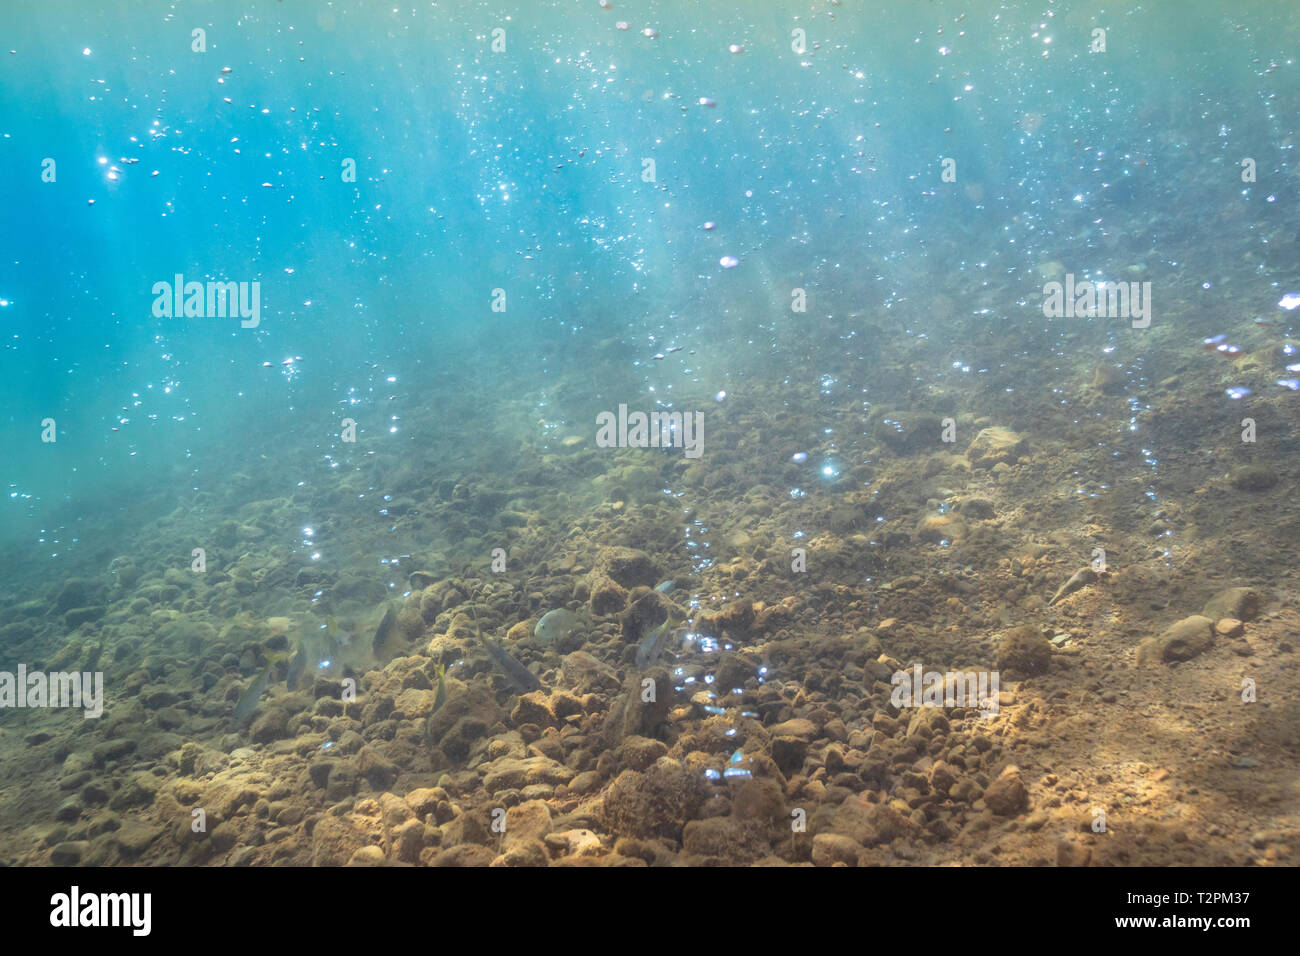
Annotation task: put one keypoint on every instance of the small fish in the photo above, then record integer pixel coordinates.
(252, 694)
(1084, 576)
(336, 634)
(385, 636)
(558, 624)
(666, 587)
(519, 675)
(440, 698)
(652, 644)
(297, 666)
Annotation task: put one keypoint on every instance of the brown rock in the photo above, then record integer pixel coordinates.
(1179, 642)
(638, 753)
(994, 446)
(869, 823)
(607, 597)
(1024, 650)
(1069, 853)
(1229, 627)
(656, 803)
(788, 752)
(378, 771)
(465, 855)
(367, 856)
(1007, 796)
(829, 849)
(627, 567)
(725, 839)
(1253, 478)
(525, 824)
(1239, 603)
(584, 673)
(334, 841)
(796, 727)
(532, 708)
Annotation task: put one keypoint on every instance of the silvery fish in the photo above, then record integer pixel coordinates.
(558, 624)
(440, 697)
(519, 675)
(652, 644)
(252, 694)
(384, 645)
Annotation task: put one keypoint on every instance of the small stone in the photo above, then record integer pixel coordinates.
(1188, 638)
(788, 753)
(157, 696)
(1253, 478)
(1007, 796)
(367, 856)
(1069, 853)
(575, 843)
(110, 750)
(796, 727)
(526, 823)
(81, 615)
(69, 853)
(995, 446)
(134, 837)
(378, 771)
(532, 708)
(1241, 604)
(638, 753)
(981, 509)
(1024, 650)
(1229, 627)
(272, 725)
(829, 849)
(734, 669)
(936, 528)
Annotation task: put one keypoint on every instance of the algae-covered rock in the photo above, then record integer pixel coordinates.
(525, 824)
(936, 528)
(869, 824)
(996, 445)
(585, 673)
(1188, 638)
(1253, 478)
(655, 803)
(1024, 650)
(905, 432)
(1239, 603)
(627, 567)
(725, 840)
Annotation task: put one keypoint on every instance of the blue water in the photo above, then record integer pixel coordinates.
(522, 170)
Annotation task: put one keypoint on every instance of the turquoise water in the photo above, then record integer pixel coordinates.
(473, 227)
(522, 170)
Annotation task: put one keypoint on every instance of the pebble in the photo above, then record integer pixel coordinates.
(796, 727)
(1229, 627)
(1189, 638)
(1007, 796)
(1253, 478)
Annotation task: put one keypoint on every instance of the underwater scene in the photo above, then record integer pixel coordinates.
(625, 433)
